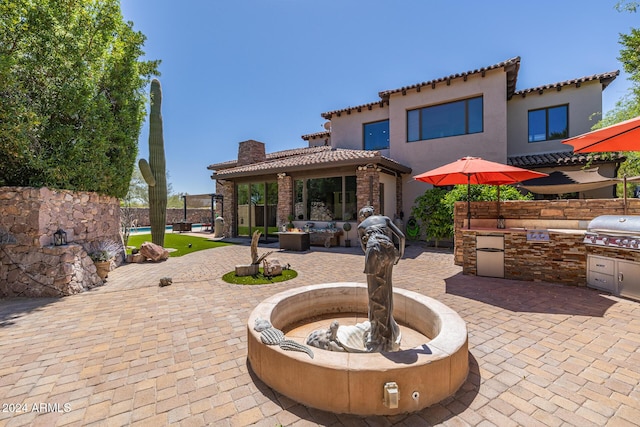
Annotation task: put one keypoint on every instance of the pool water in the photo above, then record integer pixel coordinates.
(142, 230)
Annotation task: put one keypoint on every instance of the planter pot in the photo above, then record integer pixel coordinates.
(103, 268)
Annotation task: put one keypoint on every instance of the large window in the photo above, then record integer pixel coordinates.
(450, 119)
(548, 123)
(376, 135)
(326, 199)
(257, 208)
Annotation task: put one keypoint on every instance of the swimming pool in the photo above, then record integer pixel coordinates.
(142, 230)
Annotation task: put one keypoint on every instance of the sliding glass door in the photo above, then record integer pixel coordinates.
(257, 208)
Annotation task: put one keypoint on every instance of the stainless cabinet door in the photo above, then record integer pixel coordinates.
(629, 279)
(490, 263)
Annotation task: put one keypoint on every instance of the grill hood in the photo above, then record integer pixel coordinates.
(621, 224)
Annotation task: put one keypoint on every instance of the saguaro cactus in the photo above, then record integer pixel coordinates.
(154, 171)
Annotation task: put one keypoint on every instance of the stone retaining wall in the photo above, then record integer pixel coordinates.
(30, 266)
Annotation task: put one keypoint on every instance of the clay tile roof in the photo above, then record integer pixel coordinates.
(270, 156)
(316, 135)
(563, 158)
(511, 66)
(604, 78)
(309, 158)
(357, 108)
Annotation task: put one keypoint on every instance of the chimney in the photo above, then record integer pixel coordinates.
(250, 152)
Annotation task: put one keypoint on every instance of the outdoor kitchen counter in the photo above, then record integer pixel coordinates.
(555, 255)
(481, 230)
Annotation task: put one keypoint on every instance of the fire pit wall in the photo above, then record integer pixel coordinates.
(30, 265)
(562, 260)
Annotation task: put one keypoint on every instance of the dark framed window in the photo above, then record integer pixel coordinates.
(451, 119)
(325, 199)
(549, 123)
(376, 135)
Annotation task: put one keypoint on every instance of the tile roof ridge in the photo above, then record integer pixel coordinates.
(509, 62)
(315, 135)
(511, 65)
(605, 79)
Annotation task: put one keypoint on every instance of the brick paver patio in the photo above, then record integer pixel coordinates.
(133, 353)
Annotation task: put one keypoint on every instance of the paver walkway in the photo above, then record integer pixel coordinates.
(133, 353)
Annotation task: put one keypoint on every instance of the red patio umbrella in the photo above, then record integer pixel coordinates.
(623, 136)
(474, 170)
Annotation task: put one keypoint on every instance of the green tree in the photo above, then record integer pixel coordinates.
(482, 193)
(628, 106)
(435, 219)
(175, 200)
(434, 208)
(71, 94)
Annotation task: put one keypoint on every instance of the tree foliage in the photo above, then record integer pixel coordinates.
(71, 94)
(628, 106)
(435, 219)
(434, 209)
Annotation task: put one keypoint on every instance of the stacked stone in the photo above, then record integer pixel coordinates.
(30, 265)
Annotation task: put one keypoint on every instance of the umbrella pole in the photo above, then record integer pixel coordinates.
(624, 180)
(469, 201)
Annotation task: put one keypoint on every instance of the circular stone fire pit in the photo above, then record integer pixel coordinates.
(433, 368)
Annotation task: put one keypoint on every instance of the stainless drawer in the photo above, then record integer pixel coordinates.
(606, 282)
(601, 265)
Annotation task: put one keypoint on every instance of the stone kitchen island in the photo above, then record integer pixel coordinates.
(543, 240)
(549, 255)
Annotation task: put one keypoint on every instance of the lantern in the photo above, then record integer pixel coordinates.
(60, 237)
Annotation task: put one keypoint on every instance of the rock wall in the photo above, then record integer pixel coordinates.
(30, 266)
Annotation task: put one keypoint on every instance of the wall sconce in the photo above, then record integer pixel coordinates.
(281, 175)
(60, 237)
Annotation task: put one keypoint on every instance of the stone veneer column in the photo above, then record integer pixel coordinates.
(285, 198)
(227, 190)
(368, 188)
(398, 195)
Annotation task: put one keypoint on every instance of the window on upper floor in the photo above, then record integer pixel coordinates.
(549, 123)
(376, 135)
(443, 120)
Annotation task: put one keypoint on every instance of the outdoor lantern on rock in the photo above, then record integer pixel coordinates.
(60, 237)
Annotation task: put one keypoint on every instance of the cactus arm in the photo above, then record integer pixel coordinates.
(145, 169)
(157, 165)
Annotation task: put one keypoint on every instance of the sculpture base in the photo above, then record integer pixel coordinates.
(247, 270)
(431, 365)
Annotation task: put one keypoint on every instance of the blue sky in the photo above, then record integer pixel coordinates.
(234, 70)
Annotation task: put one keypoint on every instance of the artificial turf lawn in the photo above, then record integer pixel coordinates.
(179, 242)
(258, 279)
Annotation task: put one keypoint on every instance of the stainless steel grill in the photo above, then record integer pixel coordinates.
(614, 268)
(614, 231)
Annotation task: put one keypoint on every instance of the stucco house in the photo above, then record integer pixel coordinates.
(370, 152)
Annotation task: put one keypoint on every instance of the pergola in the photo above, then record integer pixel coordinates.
(193, 198)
